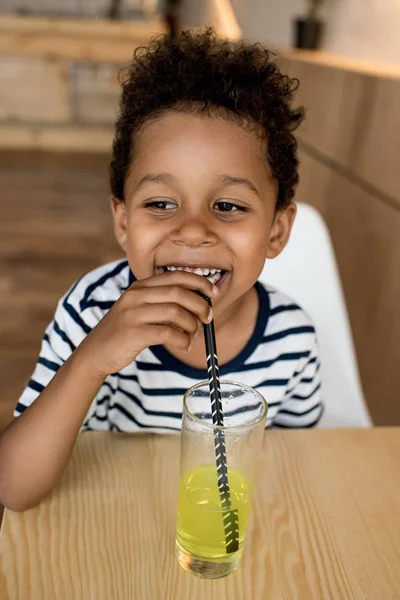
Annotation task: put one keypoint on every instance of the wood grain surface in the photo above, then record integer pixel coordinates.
(325, 523)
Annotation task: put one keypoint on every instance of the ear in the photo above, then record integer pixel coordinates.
(280, 230)
(118, 210)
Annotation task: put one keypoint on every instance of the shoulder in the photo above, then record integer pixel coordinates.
(286, 318)
(106, 283)
(95, 292)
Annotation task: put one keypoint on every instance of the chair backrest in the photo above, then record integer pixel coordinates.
(306, 271)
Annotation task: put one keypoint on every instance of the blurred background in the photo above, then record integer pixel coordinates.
(59, 64)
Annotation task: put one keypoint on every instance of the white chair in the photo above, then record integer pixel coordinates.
(306, 271)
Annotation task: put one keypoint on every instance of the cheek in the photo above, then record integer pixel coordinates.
(142, 235)
(143, 240)
(251, 245)
(139, 246)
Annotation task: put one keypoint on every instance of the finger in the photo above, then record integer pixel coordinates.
(173, 294)
(164, 313)
(192, 281)
(154, 334)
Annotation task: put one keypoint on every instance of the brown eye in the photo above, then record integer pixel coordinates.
(228, 207)
(161, 205)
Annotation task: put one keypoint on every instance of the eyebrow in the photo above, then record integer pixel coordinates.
(153, 178)
(242, 181)
(223, 179)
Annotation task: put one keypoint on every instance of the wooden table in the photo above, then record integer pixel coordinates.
(325, 523)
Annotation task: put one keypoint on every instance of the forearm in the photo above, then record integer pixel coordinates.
(35, 448)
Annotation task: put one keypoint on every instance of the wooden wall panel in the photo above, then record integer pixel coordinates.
(72, 138)
(96, 41)
(331, 101)
(376, 147)
(58, 79)
(366, 236)
(55, 225)
(350, 170)
(354, 119)
(96, 93)
(33, 89)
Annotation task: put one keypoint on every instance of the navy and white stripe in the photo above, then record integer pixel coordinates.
(280, 361)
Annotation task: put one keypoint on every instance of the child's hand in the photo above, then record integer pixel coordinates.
(164, 309)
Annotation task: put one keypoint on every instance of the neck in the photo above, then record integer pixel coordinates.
(226, 317)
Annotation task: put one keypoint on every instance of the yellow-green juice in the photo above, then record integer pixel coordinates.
(200, 528)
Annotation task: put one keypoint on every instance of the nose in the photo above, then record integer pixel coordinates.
(194, 231)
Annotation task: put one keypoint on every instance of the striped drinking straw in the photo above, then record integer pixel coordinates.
(230, 516)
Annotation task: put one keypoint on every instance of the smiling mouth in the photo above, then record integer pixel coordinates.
(214, 275)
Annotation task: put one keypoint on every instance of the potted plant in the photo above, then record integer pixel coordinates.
(308, 30)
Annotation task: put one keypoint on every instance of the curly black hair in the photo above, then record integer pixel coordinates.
(199, 72)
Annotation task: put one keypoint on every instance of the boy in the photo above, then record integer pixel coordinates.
(202, 178)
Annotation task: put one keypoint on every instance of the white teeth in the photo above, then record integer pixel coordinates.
(213, 275)
(214, 278)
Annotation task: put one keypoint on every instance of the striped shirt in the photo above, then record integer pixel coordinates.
(280, 361)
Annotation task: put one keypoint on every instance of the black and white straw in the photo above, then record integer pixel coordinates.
(230, 516)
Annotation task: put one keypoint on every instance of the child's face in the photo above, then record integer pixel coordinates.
(199, 194)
